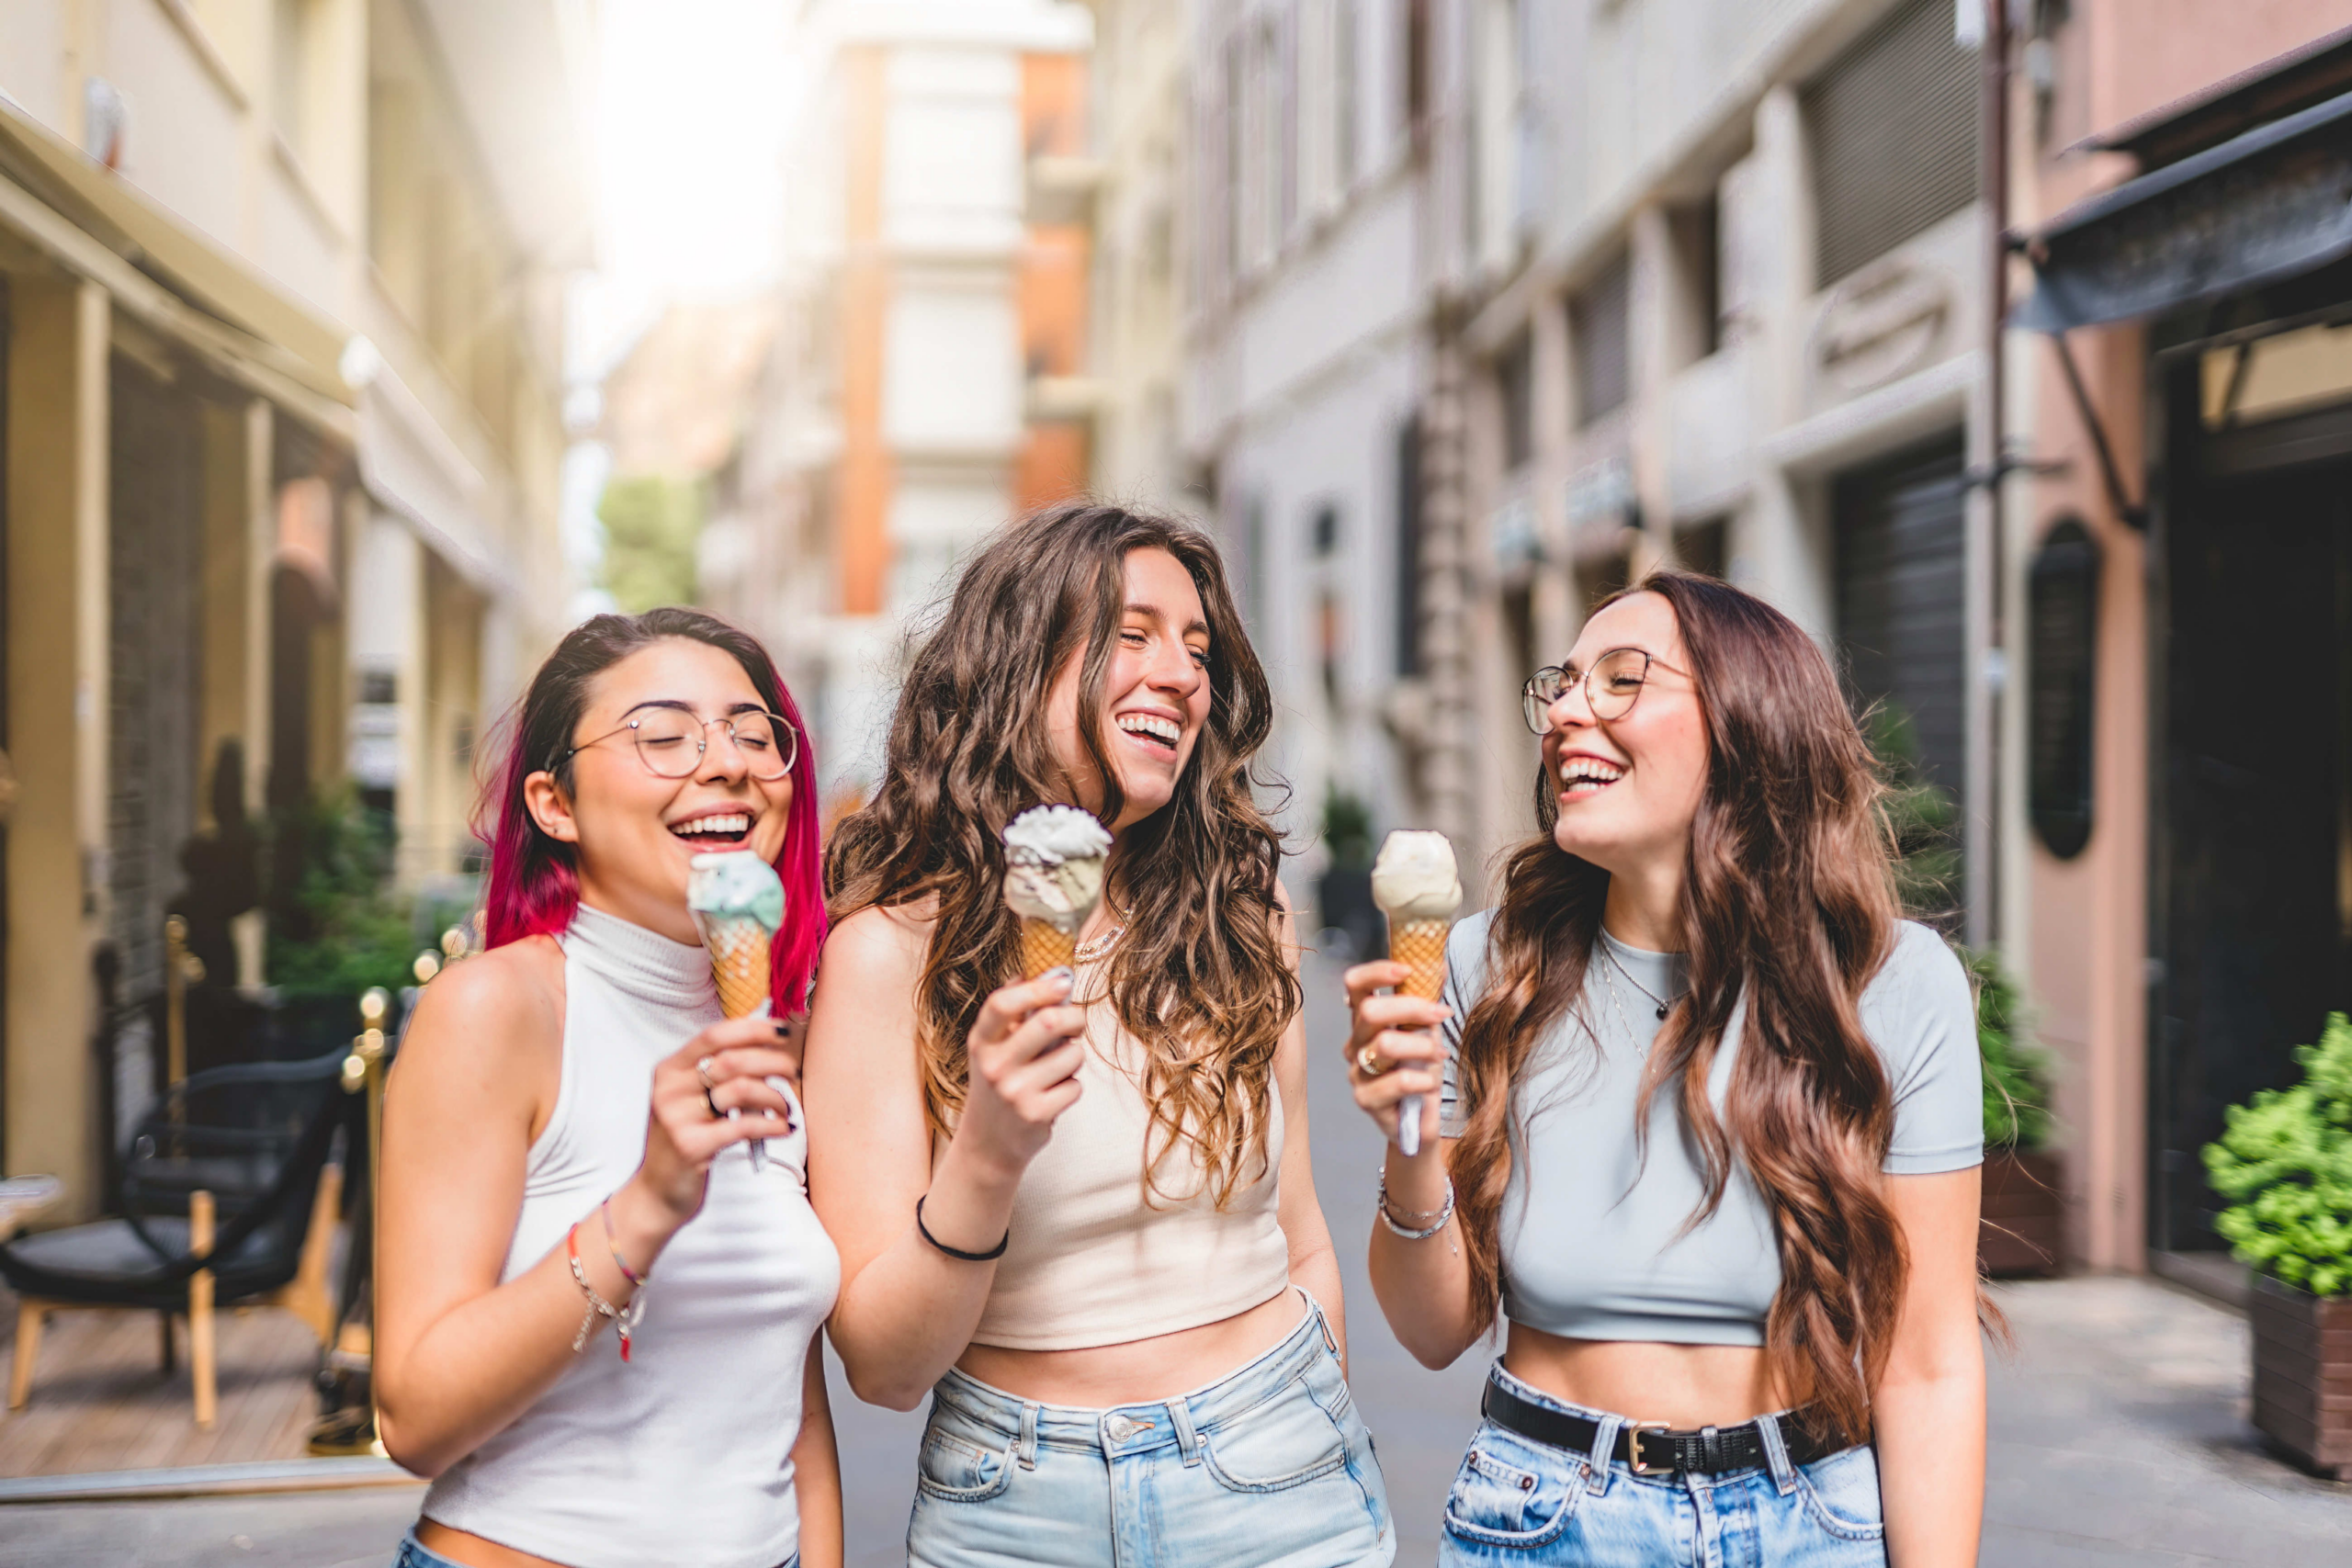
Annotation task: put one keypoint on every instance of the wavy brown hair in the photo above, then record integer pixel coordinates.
(1788, 900)
(1202, 978)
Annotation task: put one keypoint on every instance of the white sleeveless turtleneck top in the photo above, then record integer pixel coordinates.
(683, 1455)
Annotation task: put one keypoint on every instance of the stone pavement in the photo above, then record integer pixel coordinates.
(2119, 1437)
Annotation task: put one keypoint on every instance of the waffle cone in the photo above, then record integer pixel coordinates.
(1419, 946)
(1044, 946)
(739, 962)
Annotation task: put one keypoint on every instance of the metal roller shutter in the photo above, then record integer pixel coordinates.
(1901, 601)
(1892, 125)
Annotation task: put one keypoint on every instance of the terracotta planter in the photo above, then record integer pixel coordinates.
(2302, 1374)
(2023, 1230)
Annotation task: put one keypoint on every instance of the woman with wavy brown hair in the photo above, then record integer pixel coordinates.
(1711, 1118)
(1078, 1211)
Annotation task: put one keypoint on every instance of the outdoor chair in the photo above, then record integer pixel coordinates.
(227, 1198)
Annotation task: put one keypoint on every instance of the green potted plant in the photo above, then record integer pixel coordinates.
(1343, 893)
(2023, 1228)
(2285, 1166)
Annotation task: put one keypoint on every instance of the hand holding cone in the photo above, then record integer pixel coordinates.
(737, 901)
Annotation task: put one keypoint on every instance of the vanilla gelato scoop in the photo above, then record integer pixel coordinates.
(1054, 863)
(1415, 879)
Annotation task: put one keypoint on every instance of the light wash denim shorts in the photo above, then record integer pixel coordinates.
(415, 1554)
(1529, 1503)
(1268, 1468)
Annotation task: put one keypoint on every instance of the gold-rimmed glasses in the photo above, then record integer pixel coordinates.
(671, 740)
(1611, 686)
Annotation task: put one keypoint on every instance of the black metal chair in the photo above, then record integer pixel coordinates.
(227, 1198)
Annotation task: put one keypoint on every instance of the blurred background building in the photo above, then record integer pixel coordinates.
(928, 375)
(282, 328)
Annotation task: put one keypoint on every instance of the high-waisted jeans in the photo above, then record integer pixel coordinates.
(1518, 1501)
(1268, 1468)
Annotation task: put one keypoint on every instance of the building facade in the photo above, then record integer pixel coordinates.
(2189, 857)
(928, 379)
(1317, 174)
(281, 431)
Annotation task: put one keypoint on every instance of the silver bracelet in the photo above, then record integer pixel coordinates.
(1444, 1215)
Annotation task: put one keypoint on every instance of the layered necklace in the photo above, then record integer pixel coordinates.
(1664, 1004)
(1095, 947)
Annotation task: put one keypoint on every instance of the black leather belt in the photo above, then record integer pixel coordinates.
(1650, 1447)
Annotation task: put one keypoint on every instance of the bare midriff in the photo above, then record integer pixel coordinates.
(473, 1552)
(1141, 1371)
(1686, 1386)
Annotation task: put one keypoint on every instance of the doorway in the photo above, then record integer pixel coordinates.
(2255, 825)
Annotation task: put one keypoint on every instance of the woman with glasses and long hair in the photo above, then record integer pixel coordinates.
(1703, 1119)
(1078, 1211)
(596, 1312)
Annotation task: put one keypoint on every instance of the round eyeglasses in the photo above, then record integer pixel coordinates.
(1611, 686)
(671, 741)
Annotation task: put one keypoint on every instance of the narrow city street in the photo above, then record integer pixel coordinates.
(2118, 1432)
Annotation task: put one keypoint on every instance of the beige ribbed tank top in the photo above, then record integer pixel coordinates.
(1090, 1260)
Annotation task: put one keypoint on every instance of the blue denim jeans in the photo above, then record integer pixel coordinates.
(1268, 1468)
(414, 1555)
(1521, 1502)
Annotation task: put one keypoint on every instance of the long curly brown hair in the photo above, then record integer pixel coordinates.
(1202, 978)
(1788, 900)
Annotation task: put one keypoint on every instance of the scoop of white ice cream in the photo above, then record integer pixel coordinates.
(1414, 879)
(1057, 833)
(1054, 864)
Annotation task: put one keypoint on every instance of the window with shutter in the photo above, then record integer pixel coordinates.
(1892, 125)
(1601, 340)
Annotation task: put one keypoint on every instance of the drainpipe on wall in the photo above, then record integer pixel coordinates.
(1987, 659)
(1446, 769)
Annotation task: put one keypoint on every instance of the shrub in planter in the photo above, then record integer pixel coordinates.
(2285, 1163)
(1343, 893)
(2022, 1231)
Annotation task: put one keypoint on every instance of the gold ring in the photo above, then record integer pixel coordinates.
(702, 1071)
(1371, 1063)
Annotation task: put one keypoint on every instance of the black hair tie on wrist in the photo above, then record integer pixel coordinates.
(957, 1253)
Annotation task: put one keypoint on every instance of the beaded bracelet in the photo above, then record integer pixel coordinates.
(1444, 1215)
(612, 1246)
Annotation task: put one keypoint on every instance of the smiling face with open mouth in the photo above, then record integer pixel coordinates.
(1628, 788)
(637, 831)
(1155, 694)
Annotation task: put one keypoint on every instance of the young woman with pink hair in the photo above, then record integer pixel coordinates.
(564, 1147)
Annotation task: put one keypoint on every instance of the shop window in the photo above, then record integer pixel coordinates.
(1515, 376)
(1891, 126)
(1598, 577)
(1601, 340)
(1693, 234)
(1702, 548)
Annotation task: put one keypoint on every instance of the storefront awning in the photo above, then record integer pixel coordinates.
(2270, 204)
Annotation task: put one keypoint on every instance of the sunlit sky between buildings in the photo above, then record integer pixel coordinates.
(690, 113)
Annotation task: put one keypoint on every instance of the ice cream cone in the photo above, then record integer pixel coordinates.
(740, 963)
(1045, 945)
(1419, 946)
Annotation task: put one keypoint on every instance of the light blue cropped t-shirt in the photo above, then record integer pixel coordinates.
(1593, 1244)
